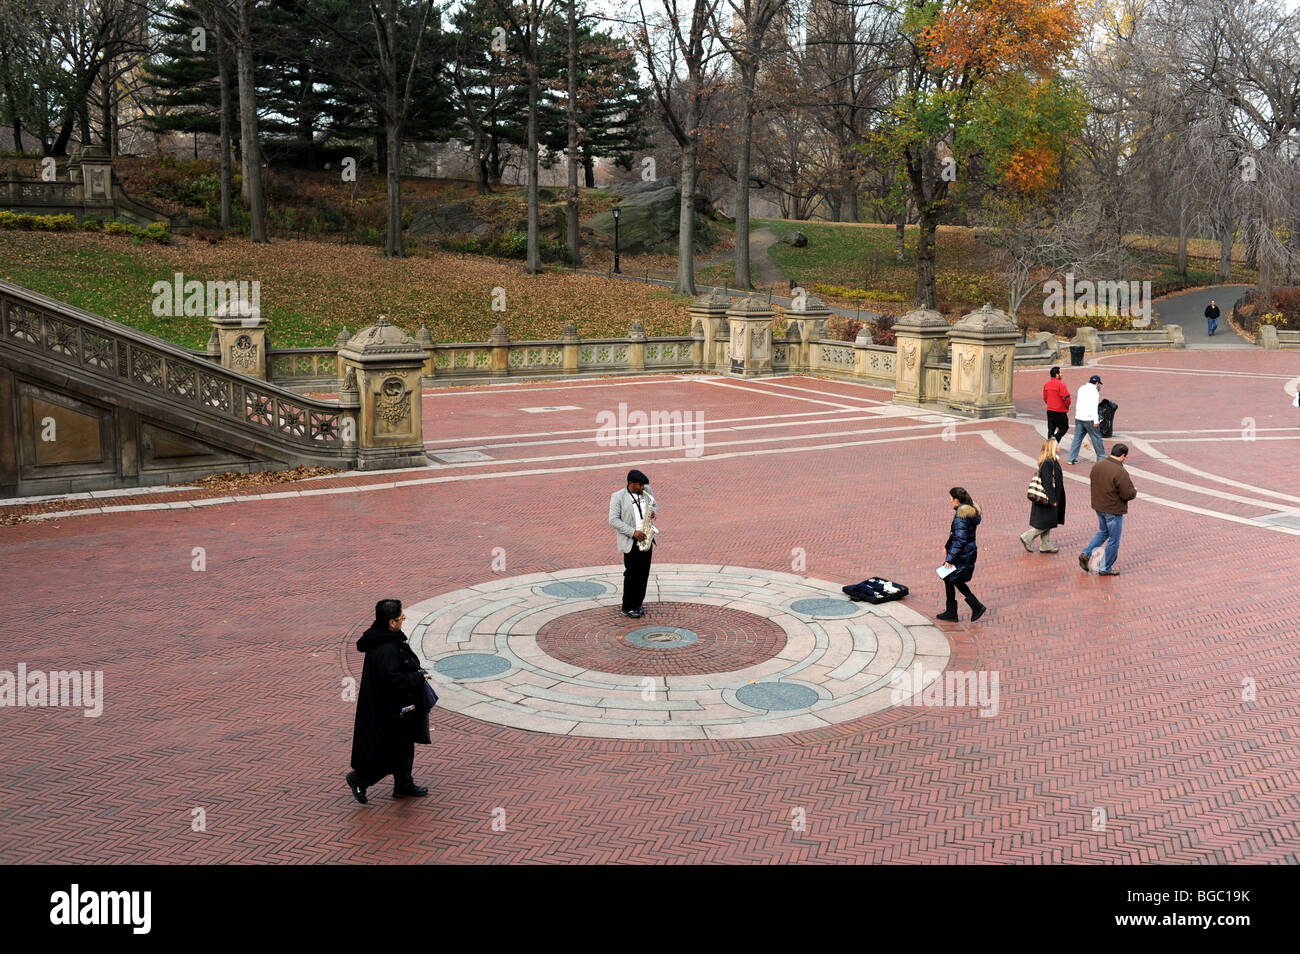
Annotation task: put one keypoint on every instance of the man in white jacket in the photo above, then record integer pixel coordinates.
(627, 508)
(1086, 420)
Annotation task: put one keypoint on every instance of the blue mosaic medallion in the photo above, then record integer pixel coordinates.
(472, 666)
(824, 606)
(777, 695)
(661, 637)
(574, 589)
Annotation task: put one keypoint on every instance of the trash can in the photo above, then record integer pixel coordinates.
(1106, 410)
(1076, 355)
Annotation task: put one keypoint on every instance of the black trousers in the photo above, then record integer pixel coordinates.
(1058, 425)
(964, 589)
(401, 774)
(636, 573)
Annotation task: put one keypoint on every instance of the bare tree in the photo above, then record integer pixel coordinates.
(681, 39)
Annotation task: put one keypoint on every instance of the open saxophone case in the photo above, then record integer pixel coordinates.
(875, 590)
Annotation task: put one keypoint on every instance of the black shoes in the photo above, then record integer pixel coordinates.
(1108, 573)
(633, 614)
(978, 609)
(949, 615)
(358, 792)
(411, 789)
(1083, 562)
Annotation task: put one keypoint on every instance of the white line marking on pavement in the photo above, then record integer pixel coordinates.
(788, 397)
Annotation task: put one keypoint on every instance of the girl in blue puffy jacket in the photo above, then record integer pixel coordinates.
(960, 553)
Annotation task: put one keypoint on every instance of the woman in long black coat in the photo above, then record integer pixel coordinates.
(383, 740)
(1043, 518)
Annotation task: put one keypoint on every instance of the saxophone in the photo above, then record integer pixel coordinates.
(647, 525)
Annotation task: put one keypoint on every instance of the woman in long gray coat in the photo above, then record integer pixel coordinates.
(1044, 517)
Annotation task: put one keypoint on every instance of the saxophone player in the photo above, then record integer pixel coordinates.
(630, 509)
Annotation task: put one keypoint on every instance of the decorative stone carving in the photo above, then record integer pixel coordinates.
(983, 349)
(751, 336)
(383, 365)
(243, 355)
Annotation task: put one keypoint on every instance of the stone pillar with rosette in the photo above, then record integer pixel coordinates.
(983, 362)
(241, 338)
(808, 316)
(751, 338)
(386, 363)
(919, 335)
(709, 314)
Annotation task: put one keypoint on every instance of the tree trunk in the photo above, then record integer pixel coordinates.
(1225, 249)
(533, 265)
(574, 237)
(686, 222)
(589, 170)
(248, 123)
(483, 187)
(1183, 223)
(227, 110)
(925, 291)
(900, 231)
(106, 106)
(748, 74)
(393, 247)
(849, 199)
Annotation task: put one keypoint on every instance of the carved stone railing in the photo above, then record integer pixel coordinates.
(304, 367)
(92, 348)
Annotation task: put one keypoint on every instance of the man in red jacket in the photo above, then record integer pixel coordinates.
(1057, 397)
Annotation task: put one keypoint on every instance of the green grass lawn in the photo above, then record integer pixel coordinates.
(312, 290)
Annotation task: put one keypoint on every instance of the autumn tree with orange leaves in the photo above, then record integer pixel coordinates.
(979, 79)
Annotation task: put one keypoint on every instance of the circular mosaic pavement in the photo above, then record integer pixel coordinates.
(674, 639)
(722, 653)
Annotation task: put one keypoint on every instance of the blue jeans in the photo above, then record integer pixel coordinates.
(1109, 528)
(1213, 325)
(1093, 430)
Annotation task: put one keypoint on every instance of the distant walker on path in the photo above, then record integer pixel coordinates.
(1212, 317)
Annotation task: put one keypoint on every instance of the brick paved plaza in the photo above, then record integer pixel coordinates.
(751, 716)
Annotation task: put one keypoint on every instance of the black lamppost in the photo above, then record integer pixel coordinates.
(617, 270)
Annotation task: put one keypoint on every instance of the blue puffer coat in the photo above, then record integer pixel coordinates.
(961, 548)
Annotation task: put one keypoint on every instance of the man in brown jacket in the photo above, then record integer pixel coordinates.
(1112, 489)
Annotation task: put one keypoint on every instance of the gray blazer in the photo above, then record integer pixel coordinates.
(623, 516)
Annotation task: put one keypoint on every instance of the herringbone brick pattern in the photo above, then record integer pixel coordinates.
(1151, 717)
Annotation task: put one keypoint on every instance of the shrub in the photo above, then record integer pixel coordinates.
(158, 232)
(92, 223)
(118, 227)
(840, 328)
(513, 244)
(882, 332)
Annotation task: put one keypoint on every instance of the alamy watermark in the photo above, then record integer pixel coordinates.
(242, 299)
(37, 688)
(929, 687)
(637, 429)
(1086, 298)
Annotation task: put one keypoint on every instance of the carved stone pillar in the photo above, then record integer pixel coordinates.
(709, 314)
(983, 362)
(425, 341)
(636, 350)
(569, 348)
(241, 338)
(385, 363)
(751, 338)
(919, 335)
(808, 314)
(499, 360)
